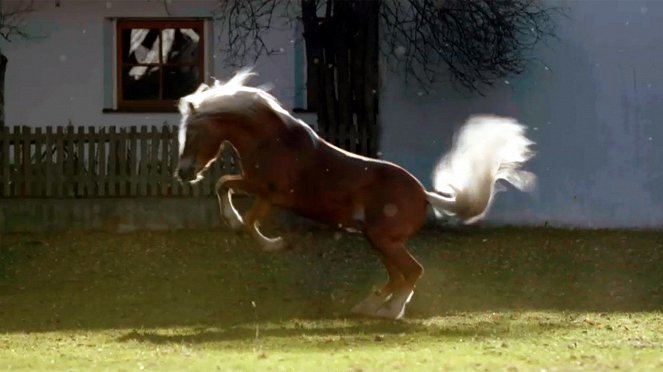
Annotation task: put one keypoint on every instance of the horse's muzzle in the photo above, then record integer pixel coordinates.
(186, 170)
(186, 174)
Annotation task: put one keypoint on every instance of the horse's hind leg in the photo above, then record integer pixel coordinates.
(396, 259)
(398, 255)
(370, 305)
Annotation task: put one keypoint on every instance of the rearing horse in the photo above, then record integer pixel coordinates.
(285, 164)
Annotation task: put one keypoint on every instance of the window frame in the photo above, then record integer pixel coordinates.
(155, 105)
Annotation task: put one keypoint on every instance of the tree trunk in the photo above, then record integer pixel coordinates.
(342, 60)
(342, 23)
(371, 81)
(328, 69)
(314, 59)
(3, 69)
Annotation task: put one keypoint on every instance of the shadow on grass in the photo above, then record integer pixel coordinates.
(331, 332)
(217, 279)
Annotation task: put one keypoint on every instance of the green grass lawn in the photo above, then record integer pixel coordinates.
(506, 299)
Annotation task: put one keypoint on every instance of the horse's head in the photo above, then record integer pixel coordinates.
(213, 114)
(199, 145)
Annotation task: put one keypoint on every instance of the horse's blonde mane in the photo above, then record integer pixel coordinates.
(223, 97)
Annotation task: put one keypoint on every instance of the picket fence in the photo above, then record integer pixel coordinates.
(97, 162)
(84, 162)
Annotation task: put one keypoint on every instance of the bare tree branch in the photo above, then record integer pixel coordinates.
(247, 23)
(475, 42)
(166, 7)
(12, 19)
(472, 42)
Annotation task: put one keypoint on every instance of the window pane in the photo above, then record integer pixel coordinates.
(140, 45)
(180, 45)
(140, 82)
(180, 81)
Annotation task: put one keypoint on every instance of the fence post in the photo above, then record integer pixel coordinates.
(175, 185)
(155, 170)
(142, 162)
(37, 174)
(103, 170)
(59, 162)
(165, 160)
(4, 157)
(91, 157)
(123, 161)
(112, 161)
(80, 171)
(132, 158)
(48, 162)
(70, 168)
(19, 169)
(27, 161)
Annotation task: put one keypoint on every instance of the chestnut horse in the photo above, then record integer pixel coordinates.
(285, 164)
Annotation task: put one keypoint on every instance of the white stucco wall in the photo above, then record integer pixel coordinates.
(595, 115)
(57, 75)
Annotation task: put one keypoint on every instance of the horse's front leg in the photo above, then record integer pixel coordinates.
(224, 192)
(251, 221)
(252, 224)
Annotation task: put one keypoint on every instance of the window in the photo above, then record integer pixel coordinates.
(157, 62)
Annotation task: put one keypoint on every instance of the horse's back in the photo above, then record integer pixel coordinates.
(347, 189)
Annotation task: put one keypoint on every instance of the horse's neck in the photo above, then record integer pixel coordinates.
(232, 128)
(244, 145)
(248, 133)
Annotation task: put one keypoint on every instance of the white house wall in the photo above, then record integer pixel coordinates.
(59, 76)
(593, 108)
(595, 113)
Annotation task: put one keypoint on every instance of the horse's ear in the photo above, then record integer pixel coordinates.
(191, 108)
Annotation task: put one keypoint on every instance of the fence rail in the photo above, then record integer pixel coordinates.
(97, 162)
(82, 162)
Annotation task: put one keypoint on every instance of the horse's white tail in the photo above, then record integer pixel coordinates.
(486, 149)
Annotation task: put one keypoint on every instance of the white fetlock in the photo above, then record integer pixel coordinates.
(267, 244)
(228, 211)
(273, 245)
(370, 305)
(395, 308)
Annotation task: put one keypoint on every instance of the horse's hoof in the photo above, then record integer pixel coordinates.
(362, 310)
(234, 224)
(369, 306)
(275, 245)
(380, 312)
(390, 313)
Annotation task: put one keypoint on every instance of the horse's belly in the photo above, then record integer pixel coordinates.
(329, 209)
